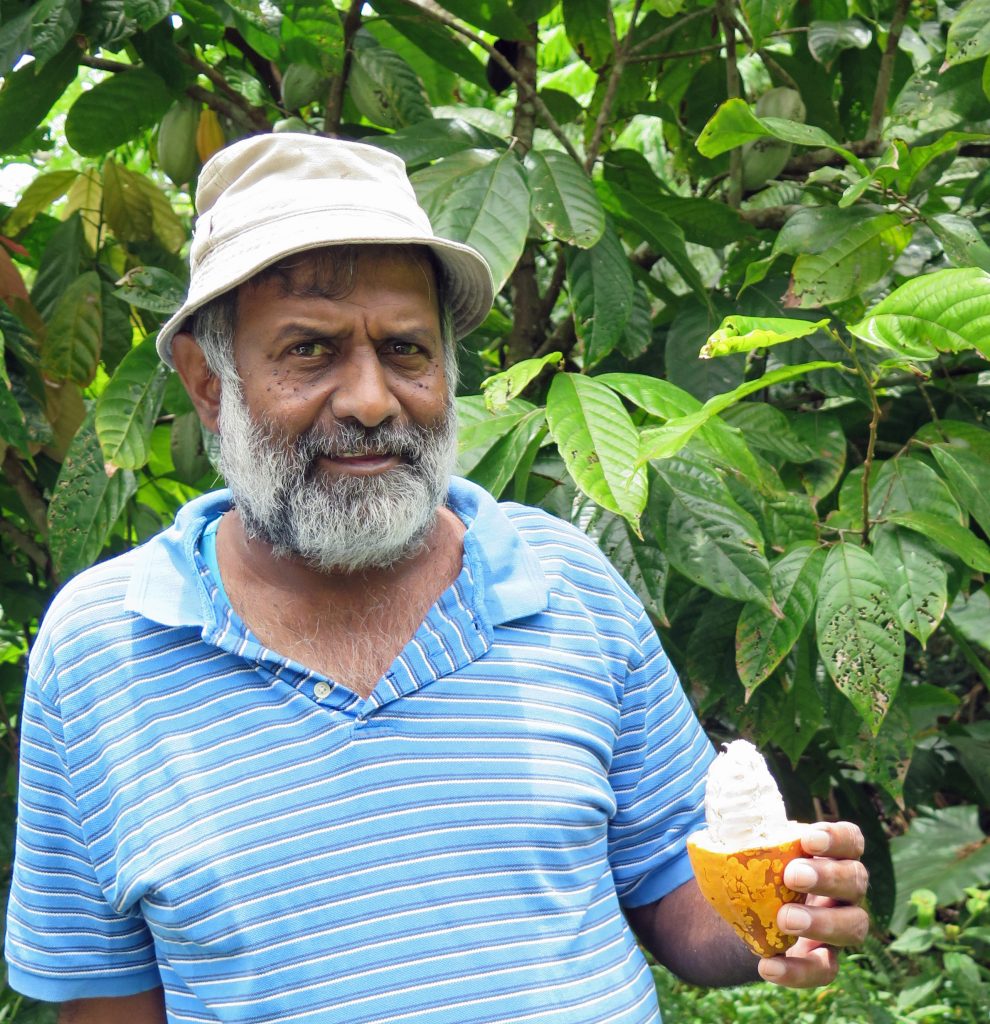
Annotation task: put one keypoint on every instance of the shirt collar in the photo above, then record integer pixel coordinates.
(166, 588)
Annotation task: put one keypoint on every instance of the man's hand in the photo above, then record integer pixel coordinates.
(831, 915)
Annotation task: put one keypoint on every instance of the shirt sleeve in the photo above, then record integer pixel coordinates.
(64, 941)
(658, 771)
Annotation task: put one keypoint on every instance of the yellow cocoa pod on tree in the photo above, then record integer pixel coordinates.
(209, 135)
(177, 140)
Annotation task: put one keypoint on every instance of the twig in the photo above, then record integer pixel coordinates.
(262, 67)
(335, 98)
(253, 119)
(639, 58)
(668, 30)
(886, 72)
(102, 64)
(219, 82)
(22, 541)
(723, 9)
(438, 14)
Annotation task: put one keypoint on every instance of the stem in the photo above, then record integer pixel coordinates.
(723, 9)
(886, 71)
(872, 440)
(667, 30)
(438, 14)
(335, 98)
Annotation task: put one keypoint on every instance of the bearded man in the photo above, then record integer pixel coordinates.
(351, 742)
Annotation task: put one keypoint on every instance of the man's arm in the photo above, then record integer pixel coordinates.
(685, 934)
(142, 1008)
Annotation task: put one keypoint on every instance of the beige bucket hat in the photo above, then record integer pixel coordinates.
(269, 196)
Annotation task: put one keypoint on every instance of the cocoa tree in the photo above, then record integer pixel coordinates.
(740, 337)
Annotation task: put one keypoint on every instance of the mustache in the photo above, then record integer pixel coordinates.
(388, 439)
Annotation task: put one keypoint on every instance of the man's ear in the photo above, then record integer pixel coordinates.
(200, 381)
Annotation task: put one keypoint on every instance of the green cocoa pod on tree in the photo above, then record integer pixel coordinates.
(302, 84)
(177, 140)
(763, 159)
(291, 124)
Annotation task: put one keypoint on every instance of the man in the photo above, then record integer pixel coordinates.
(353, 742)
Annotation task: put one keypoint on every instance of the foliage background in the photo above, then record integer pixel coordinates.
(798, 187)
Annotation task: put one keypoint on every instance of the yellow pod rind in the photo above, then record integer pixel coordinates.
(746, 888)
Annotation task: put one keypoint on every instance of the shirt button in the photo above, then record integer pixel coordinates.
(321, 690)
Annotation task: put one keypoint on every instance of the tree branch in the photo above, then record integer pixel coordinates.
(335, 99)
(723, 9)
(262, 67)
(774, 217)
(254, 119)
(219, 82)
(438, 14)
(34, 505)
(886, 72)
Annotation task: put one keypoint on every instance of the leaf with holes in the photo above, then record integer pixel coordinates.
(501, 388)
(562, 198)
(918, 579)
(86, 503)
(948, 311)
(709, 537)
(597, 439)
(600, 284)
(860, 638)
(858, 259)
(488, 209)
(126, 410)
(745, 333)
(763, 640)
(71, 347)
(969, 33)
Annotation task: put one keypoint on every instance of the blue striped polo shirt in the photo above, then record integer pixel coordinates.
(199, 812)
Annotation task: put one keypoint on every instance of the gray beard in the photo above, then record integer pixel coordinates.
(335, 523)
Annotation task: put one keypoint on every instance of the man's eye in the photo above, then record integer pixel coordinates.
(404, 348)
(307, 348)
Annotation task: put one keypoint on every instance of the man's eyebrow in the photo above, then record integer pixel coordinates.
(294, 330)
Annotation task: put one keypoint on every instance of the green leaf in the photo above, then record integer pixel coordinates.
(662, 442)
(152, 288)
(126, 206)
(147, 12)
(71, 348)
(944, 850)
(13, 429)
(597, 439)
(957, 433)
(744, 333)
(43, 191)
(426, 141)
(967, 474)
(859, 635)
(488, 209)
(907, 484)
(28, 94)
(843, 270)
(765, 16)
(969, 33)
(961, 240)
(642, 563)
(187, 449)
(600, 285)
(562, 198)
(707, 536)
(827, 39)
(823, 433)
(919, 157)
(763, 639)
(918, 580)
(948, 311)
(126, 410)
(586, 25)
(734, 124)
(54, 23)
(973, 551)
(655, 228)
(433, 184)
(501, 388)
(59, 265)
(384, 87)
(15, 39)
(500, 463)
(656, 396)
(313, 33)
(86, 503)
(478, 429)
(768, 428)
(494, 16)
(115, 111)
(437, 42)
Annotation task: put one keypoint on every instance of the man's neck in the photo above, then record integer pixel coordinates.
(348, 625)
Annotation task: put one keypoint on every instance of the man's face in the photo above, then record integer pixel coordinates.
(340, 444)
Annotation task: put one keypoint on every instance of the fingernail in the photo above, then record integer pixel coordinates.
(799, 875)
(794, 919)
(772, 968)
(816, 841)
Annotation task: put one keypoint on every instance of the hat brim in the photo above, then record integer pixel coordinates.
(470, 289)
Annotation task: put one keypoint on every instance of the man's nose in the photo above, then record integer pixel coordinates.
(362, 391)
